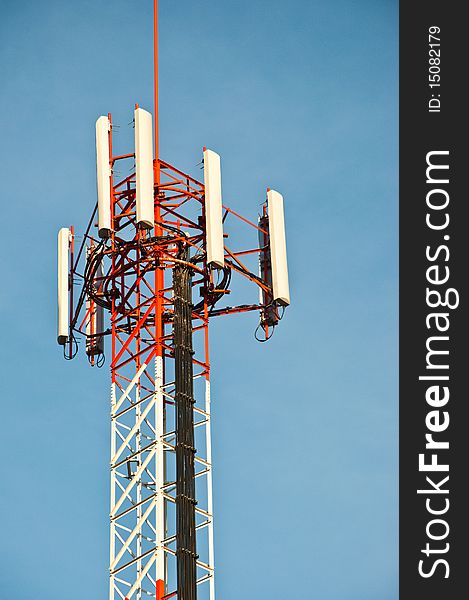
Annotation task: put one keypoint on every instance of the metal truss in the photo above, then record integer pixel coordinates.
(151, 293)
(143, 486)
(130, 275)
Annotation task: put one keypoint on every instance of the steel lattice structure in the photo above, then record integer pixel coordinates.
(158, 291)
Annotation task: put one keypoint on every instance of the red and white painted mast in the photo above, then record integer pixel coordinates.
(159, 366)
(155, 272)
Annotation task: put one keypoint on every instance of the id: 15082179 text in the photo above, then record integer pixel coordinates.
(434, 76)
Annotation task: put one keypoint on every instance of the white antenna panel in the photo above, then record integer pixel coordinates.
(213, 209)
(62, 286)
(103, 175)
(144, 168)
(278, 248)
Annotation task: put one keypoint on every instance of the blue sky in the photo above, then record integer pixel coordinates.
(298, 96)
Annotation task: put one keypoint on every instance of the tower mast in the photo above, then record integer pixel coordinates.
(152, 276)
(155, 77)
(159, 361)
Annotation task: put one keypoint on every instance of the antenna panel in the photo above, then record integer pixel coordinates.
(62, 286)
(103, 175)
(278, 248)
(144, 168)
(213, 209)
(95, 319)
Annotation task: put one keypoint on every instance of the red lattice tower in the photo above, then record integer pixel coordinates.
(151, 279)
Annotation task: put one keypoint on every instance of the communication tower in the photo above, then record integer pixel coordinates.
(149, 280)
